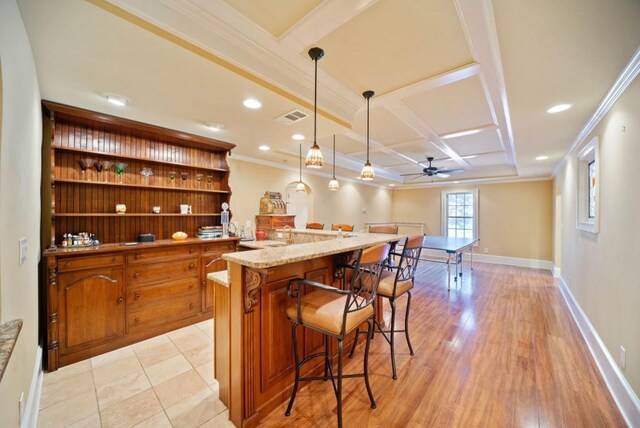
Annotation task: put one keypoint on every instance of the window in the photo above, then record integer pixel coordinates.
(588, 187)
(460, 213)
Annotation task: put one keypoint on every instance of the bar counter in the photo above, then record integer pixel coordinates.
(253, 347)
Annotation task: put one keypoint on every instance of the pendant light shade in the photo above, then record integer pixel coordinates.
(300, 187)
(333, 184)
(367, 174)
(314, 157)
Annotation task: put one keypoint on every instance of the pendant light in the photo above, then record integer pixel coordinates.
(300, 186)
(333, 184)
(314, 157)
(367, 174)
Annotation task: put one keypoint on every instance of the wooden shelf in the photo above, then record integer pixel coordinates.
(136, 158)
(139, 186)
(134, 215)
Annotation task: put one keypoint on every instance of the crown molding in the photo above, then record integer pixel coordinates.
(486, 180)
(628, 75)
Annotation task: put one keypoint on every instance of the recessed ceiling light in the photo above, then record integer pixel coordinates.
(264, 148)
(251, 103)
(359, 178)
(461, 133)
(298, 137)
(392, 185)
(116, 100)
(215, 126)
(456, 182)
(542, 157)
(559, 108)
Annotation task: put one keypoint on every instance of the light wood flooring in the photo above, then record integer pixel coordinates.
(500, 350)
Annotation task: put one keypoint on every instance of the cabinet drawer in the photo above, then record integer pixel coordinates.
(144, 296)
(224, 247)
(66, 264)
(164, 312)
(151, 272)
(279, 222)
(161, 254)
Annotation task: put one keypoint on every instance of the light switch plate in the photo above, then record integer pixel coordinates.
(23, 250)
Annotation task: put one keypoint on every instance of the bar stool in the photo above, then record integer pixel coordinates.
(315, 226)
(392, 230)
(393, 285)
(335, 313)
(344, 227)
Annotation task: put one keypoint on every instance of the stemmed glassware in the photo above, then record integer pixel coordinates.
(146, 173)
(83, 168)
(199, 177)
(107, 166)
(88, 162)
(184, 176)
(209, 180)
(119, 168)
(172, 178)
(99, 166)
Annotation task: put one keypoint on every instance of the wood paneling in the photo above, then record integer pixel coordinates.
(85, 202)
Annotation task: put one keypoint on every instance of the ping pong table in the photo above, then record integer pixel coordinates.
(454, 247)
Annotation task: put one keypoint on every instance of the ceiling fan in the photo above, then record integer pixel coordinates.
(432, 171)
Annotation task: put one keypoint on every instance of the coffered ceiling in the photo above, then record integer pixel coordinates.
(438, 67)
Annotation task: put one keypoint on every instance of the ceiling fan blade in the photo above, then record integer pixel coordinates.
(413, 173)
(450, 171)
(415, 178)
(441, 175)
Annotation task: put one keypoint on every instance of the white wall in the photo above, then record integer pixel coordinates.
(600, 269)
(249, 181)
(20, 162)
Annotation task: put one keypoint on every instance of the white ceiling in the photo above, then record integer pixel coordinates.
(437, 67)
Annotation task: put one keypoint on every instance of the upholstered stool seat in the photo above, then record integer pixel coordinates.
(318, 309)
(387, 282)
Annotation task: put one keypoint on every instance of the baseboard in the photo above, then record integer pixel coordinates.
(556, 272)
(498, 260)
(622, 393)
(30, 417)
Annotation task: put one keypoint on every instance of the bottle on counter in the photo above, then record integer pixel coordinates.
(339, 233)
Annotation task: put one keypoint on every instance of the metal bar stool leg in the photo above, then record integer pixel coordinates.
(297, 363)
(392, 334)
(370, 328)
(326, 357)
(339, 409)
(355, 342)
(406, 323)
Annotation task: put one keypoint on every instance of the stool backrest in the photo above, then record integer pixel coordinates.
(344, 227)
(393, 230)
(315, 226)
(409, 258)
(366, 277)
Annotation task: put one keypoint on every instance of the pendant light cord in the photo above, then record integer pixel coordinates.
(367, 130)
(315, 103)
(334, 156)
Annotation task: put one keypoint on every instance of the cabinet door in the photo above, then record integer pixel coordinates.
(91, 307)
(211, 262)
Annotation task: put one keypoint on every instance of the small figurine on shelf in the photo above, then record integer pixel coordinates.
(121, 209)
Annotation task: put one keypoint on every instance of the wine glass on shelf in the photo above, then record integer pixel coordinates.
(83, 168)
(107, 164)
(184, 176)
(209, 180)
(199, 177)
(119, 168)
(146, 173)
(88, 162)
(99, 166)
(172, 178)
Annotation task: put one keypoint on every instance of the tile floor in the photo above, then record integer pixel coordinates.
(164, 381)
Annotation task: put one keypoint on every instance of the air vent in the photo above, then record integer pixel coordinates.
(291, 117)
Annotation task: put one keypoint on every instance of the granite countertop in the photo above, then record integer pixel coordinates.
(221, 277)
(8, 336)
(258, 245)
(277, 256)
(103, 248)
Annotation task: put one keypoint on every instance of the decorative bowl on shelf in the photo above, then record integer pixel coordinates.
(121, 209)
(179, 236)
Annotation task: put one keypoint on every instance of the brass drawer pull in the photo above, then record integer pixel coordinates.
(67, 264)
(137, 320)
(136, 275)
(137, 256)
(137, 296)
(120, 300)
(190, 305)
(115, 259)
(191, 266)
(190, 250)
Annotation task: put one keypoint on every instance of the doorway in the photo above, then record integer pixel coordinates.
(557, 236)
(298, 205)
